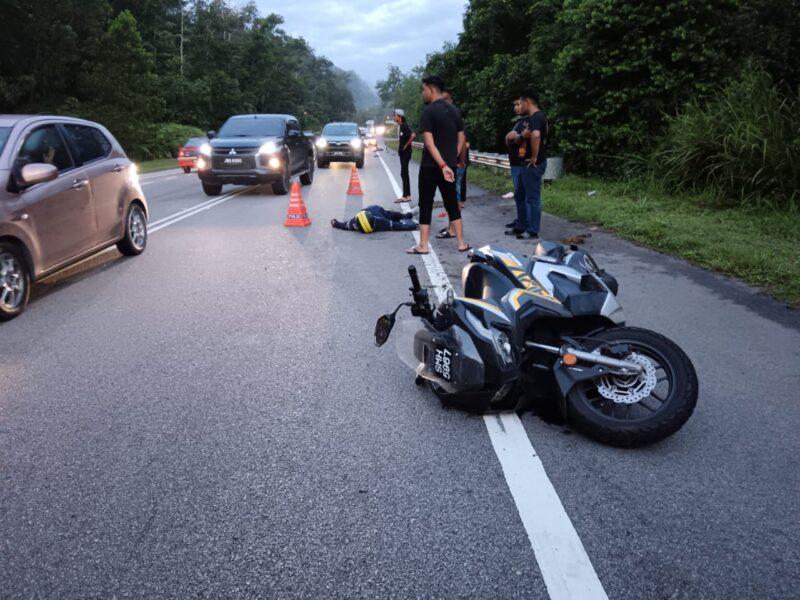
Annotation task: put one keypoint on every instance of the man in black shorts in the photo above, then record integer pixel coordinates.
(443, 133)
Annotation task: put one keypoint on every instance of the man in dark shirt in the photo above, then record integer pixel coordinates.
(518, 225)
(443, 132)
(461, 170)
(532, 151)
(404, 149)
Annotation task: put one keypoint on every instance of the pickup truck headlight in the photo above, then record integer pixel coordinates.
(356, 143)
(205, 149)
(321, 143)
(268, 148)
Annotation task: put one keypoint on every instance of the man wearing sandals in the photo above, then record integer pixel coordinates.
(404, 151)
(443, 133)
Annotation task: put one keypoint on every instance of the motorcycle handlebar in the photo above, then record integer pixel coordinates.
(412, 273)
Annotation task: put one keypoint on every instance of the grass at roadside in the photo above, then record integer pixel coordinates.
(759, 247)
(159, 164)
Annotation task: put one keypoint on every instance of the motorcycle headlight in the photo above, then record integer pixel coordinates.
(205, 149)
(321, 143)
(503, 346)
(268, 148)
(356, 143)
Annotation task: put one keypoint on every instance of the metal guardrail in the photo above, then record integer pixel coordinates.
(555, 164)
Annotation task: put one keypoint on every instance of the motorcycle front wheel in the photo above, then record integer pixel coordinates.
(631, 411)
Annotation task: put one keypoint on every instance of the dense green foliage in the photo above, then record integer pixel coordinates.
(120, 62)
(615, 75)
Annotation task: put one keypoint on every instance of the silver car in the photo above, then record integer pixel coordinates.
(67, 190)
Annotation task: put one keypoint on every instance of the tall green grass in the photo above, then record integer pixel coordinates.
(741, 148)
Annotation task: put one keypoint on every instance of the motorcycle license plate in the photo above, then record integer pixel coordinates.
(442, 362)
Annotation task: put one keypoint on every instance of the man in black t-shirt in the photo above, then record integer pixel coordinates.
(517, 226)
(404, 149)
(531, 143)
(443, 132)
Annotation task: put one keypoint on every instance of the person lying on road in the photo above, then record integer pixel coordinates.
(377, 218)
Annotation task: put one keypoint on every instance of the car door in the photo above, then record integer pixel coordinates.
(107, 177)
(294, 137)
(60, 211)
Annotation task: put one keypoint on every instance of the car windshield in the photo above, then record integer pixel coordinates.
(251, 127)
(191, 142)
(4, 133)
(340, 129)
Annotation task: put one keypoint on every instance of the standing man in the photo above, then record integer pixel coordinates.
(443, 134)
(518, 225)
(533, 152)
(404, 149)
(461, 170)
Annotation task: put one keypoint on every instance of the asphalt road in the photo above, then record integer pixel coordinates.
(213, 419)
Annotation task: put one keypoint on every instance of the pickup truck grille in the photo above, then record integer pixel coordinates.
(339, 145)
(225, 150)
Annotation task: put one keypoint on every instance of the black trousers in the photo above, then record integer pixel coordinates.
(405, 158)
(431, 179)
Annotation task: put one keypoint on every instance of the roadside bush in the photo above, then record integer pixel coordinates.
(743, 146)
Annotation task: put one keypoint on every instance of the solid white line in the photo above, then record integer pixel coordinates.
(566, 569)
(180, 216)
(185, 210)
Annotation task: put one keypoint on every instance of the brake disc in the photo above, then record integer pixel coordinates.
(629, 389)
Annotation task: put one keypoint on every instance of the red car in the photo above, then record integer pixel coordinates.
(188, 153)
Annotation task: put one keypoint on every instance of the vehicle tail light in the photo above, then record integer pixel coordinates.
(180, 152)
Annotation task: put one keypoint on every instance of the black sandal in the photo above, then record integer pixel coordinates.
(445, 235)
(465, 249)
(414, 250)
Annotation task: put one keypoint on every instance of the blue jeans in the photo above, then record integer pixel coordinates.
(461, 172)
(521, 221)
(528, 193)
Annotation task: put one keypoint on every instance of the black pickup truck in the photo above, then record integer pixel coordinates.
(256, 149)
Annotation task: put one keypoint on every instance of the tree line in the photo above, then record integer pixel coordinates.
(703, 95)
(155, 71)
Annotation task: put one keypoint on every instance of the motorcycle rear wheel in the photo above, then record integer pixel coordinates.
(627, 423)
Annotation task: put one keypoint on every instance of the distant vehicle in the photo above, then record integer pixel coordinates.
(67, 190)
(368, 137)
(340, 142)
(188, 153)
(256, 149)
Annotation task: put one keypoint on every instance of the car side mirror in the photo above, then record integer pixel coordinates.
(34, 173)
(211, 134)
(383, 328)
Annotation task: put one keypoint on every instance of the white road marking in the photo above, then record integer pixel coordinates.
(566, 569)
(190, 212)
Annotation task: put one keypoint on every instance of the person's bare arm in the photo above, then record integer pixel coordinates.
(536, 142)
(437, 157)
(462, 142)
(410, 141)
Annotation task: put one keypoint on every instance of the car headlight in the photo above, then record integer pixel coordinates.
(205, 149)
(380, 130)
(356, 143)
(503, 346)
(321, 143)
(268, 148)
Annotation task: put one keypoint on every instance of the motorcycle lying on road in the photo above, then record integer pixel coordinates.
(550, 329)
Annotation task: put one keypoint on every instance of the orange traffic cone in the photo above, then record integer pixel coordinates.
(355, 184)
(297, 215)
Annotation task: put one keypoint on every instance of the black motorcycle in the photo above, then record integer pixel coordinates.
(546, 329)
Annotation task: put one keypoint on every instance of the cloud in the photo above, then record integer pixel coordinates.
(366, 36)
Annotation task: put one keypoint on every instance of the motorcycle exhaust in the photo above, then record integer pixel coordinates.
(570, 356)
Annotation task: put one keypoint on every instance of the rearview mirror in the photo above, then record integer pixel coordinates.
(211, 134)
(34, 173)
(383, 328)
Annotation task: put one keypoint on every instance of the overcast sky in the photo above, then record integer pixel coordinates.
(366, 36)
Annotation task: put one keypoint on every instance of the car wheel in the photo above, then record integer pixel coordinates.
(307, 178)
(322, 164)
(15, 282)
(281, 188)
(360, 163)
(187, 169)
(212, 189)
(135, 239)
